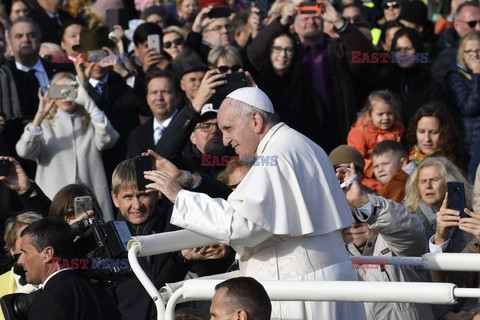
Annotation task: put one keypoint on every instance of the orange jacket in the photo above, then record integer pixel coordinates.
(364, 136)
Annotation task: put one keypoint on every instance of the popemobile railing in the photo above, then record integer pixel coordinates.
(360, 291)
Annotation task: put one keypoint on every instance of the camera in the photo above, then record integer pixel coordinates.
(101, 249)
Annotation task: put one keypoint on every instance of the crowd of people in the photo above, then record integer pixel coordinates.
(353, 118)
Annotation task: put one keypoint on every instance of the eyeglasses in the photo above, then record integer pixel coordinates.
(472, 51)
(228, 27)
(278, 50)
(471, 24)
(393, 5)
(225, 69)
(207, 127)
(176, 42)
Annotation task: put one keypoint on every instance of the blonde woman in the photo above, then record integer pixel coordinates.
(66, 139)
(426, 190)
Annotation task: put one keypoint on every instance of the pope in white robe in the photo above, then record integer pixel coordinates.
(284, 218)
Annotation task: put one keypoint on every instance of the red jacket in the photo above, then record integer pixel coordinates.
(364, 136)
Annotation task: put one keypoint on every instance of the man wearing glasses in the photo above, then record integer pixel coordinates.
(466, 19)
(208, 33)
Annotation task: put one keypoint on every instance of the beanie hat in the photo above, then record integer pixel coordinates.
(346, 154)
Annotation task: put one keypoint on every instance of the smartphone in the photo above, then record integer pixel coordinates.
(220, 12)
(310, 8)
(456, 197)
(62, 91)
(5, 168)
(154, 42)
(82, 205)
(235, 81)
(118, 17)
(142, 164)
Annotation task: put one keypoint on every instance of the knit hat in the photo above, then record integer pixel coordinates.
(254, 97)
(346, 154)
(414, 11)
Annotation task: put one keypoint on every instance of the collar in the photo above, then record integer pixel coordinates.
(63, 115)
(38, 66)
(266, 139)
(51, 15)
(42, 286)
(94, 82)
(165, 123)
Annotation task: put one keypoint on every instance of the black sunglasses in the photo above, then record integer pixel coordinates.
(176, 42)
(225, 69)
(394, 5)
(471, 24)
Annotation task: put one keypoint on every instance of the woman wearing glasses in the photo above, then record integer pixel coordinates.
(173, 40)
(464, 89)
(225, 59)
(281, 77)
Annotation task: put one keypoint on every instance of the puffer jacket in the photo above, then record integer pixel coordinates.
(399, 234)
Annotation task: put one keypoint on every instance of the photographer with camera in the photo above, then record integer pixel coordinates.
(63, 295)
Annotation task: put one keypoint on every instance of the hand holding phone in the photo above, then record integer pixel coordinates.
(142, 164)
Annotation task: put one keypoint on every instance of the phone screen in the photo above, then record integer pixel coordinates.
(82, 205)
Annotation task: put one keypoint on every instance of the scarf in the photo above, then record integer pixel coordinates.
(418, 156)
(9, 102)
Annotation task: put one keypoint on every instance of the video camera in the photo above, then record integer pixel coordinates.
(101, 249)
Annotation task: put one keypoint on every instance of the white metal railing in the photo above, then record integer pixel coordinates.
(199, 289)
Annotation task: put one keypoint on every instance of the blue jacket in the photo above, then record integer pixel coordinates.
(465, 97)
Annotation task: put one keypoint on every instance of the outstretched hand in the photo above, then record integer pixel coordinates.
(17, 180)
(356, 197)
(163, 183)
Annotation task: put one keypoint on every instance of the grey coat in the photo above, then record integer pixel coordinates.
(399, 234)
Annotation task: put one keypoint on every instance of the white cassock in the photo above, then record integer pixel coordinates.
(283, 220)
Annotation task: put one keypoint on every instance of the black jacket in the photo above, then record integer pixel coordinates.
(121, 107)
(68, 296)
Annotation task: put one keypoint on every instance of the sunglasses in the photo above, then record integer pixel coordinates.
(225, 69)
(394, 5)
(176, 42)
(471, 24)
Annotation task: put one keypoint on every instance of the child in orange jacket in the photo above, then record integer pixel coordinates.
(377, 123)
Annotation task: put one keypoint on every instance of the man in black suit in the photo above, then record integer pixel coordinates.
(44, 246)
(24, 35)
(163, 98)
(50, 17)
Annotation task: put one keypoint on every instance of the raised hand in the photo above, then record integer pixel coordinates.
(446, 220)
